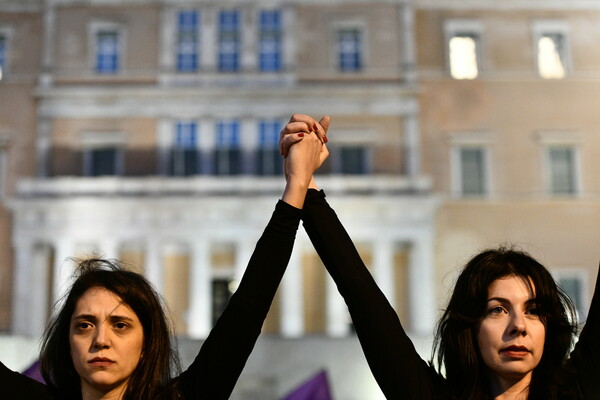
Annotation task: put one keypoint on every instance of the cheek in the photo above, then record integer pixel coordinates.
(484, 335)
(540, 336)
(486, 339)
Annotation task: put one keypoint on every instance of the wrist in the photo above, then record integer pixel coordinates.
(295, 192)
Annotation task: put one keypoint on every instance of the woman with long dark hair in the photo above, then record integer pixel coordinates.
(111, 340)
(506, 334)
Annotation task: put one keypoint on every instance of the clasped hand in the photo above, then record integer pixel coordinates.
(302, 144)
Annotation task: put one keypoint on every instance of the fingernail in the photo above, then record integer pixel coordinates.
(325, 140)
(301, 134)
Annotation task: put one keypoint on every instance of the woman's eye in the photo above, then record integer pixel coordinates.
(496, 310)
(120, 325)
(533, 311)
(84, 325)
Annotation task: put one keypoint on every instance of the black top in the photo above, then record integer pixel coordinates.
(396, 365)
(214, 372)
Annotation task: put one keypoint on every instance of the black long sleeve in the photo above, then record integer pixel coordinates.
(585, 356)
(215, 371)
(396, 365)
(16, 386)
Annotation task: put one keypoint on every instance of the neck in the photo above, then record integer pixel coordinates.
(510, 388)
(90, 393)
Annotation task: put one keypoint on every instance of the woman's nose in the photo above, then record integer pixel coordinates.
(102, 338)
(517, 324)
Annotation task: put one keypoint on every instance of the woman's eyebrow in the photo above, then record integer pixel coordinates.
(503, 300)
(498, 299)
(120, 318)
(88, 317)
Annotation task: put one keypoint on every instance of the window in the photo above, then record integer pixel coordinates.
(573, 282)
(187, 41)
(353, 160)
(102, 161)
(551, 56)
(185, 153)
(349, 49)
(269, 161)
(221, 294)
(551, 44)
(107, 51)
(229, 41)
(463, 56)
(270, 41)
(228, 151)
(3, 54)
(102, 153)
(562, 171)
(472, 171)
(463, 38)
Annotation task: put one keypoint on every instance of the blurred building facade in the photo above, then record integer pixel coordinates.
(147, 131)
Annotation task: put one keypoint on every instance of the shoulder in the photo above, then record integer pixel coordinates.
(20, 387)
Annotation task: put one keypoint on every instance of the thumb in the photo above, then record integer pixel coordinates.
(325, 123)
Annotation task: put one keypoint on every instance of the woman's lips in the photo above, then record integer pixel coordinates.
(101, 362)
(515, 351)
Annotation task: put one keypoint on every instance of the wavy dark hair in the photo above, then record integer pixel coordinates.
(455, 344)
(159, 361)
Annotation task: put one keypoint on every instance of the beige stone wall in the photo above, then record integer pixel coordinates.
(74, 53)
(139, 135)
(384, 134)
(560, 234)
(317, 47)
(17, 130)
(512, 104)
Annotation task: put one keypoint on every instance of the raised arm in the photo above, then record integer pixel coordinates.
(398, 369)
(215, 370)
(585, 356)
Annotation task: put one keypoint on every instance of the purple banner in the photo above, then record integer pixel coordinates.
(316, 388)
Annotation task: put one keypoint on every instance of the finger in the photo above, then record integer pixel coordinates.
(324, 122)
(321, 128)
(307, 119)
(288, 141)
(291, 129)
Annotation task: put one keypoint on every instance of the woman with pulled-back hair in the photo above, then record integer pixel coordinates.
(506, 334)
(110, 338)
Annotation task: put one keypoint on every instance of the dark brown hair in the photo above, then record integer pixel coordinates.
(455, 345)
(159, 360)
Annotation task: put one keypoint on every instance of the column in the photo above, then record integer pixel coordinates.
(248, 36)
(25, 293)
(288, 45)
(292, 318)
(243, 252)
(46, 78)
(164, 143)
(63, 268)
(421, 293)
(153, 260)
(208, 39)
(383, 271)
(249, 144)
(199, 313)
(412, 145)
(41, 258)
(207, 143)
(168, 35)
(337, 311)
(409, 61)
(42, 144)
